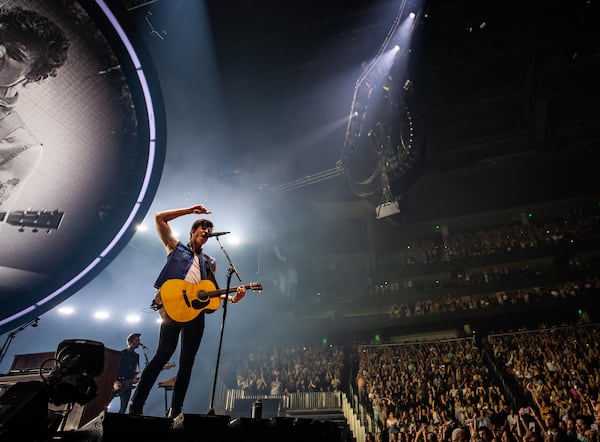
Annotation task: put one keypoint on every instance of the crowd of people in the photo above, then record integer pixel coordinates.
(450, 303)
(281, 370)
(444, 391)
(427, 383)
(462, 278)
(391, 278)
(432, 390)
(520, 272)
(559, 367)
(572, 227)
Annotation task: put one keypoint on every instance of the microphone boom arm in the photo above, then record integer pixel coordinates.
(231, 265)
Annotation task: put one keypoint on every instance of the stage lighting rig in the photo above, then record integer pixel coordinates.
(384, 144)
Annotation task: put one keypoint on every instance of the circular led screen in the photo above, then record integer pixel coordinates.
(81, 148)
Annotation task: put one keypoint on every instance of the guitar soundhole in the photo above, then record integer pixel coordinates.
(202, 301)
(196, 304)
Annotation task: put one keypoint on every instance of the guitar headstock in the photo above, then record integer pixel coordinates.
(36, 219)
(255, 286)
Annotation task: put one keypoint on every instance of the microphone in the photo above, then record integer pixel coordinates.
(143, 346)
(208, 235)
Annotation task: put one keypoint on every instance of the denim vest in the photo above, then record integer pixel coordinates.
(179, 262)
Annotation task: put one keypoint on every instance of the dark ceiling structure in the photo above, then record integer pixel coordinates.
(507, 92)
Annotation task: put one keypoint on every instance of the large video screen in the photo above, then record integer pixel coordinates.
(81, 147)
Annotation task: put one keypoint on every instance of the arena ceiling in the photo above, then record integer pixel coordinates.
(507, 92)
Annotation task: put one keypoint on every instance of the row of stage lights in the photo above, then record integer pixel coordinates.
(103, 315)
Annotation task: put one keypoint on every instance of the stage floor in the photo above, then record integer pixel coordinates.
(111, 427)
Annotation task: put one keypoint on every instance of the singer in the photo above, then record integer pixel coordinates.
(128, 370)
(189, 263)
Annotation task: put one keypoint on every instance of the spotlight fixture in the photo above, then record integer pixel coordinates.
(387, 209)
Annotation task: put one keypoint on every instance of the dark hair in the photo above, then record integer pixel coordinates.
(554, 414)
(487, 431)
(23, 28)
(204, 223)
(132, 337)
(509, 434)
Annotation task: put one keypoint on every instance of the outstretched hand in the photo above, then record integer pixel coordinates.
(199, 209)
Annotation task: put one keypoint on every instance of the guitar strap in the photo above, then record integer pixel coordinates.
(206, 270)
(203, 266)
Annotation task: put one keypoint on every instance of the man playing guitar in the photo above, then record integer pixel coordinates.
(128, 370)
(186, 262)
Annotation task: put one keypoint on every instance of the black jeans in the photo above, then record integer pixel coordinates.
(191, 336)
(124, 398)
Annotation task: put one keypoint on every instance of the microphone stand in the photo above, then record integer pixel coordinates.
(145, 350)
(231, 266)
(13, 334)
(230, 272)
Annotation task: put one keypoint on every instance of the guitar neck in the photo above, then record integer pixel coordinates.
(220, 292)
(35, 219)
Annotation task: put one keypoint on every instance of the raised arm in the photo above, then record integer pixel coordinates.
(163, 229)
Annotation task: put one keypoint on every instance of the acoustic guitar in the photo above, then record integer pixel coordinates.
(180, 301)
